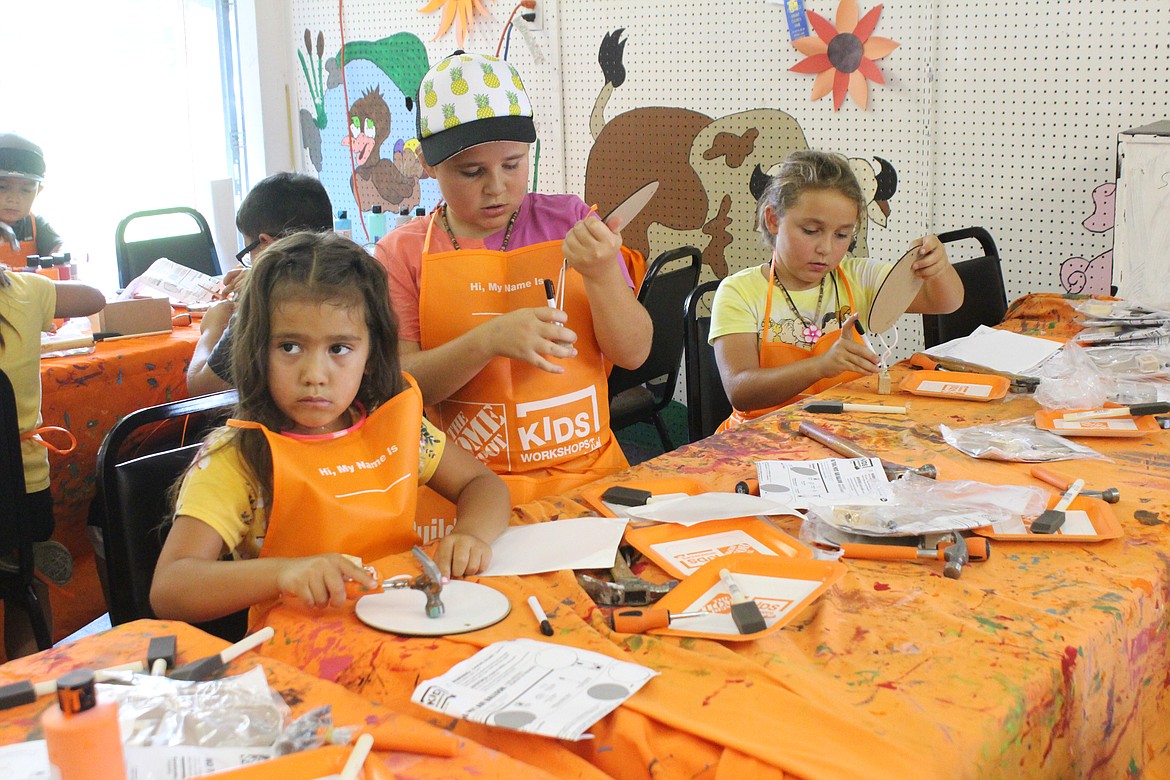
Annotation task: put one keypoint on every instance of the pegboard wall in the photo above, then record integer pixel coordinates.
(1003, 115)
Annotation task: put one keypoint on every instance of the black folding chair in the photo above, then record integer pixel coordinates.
(640, 394)
(194, 250)
(707, 403)
(984, 298)
(140, 459)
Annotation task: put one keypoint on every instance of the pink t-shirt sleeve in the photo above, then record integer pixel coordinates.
(400, 253)
(543, 218)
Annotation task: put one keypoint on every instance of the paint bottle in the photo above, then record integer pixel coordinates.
(376, 223)
(81, 735)
(342, 226)
(45, 267)
(403, 217)
(420, 212)
(61, 263)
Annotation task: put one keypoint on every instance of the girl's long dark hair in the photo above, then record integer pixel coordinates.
(314, 268)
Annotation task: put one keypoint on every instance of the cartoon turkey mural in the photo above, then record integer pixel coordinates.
(391, 183)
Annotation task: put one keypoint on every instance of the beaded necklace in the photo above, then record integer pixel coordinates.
(507, 233)
(812, 331)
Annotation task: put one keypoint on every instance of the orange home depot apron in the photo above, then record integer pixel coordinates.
(351, 492)
(774, 354)
(543, 433)
(16, 258)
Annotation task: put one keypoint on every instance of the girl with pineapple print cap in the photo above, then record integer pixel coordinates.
(516, 381)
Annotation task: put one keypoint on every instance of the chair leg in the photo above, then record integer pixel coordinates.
(667, 444)
(36, 617)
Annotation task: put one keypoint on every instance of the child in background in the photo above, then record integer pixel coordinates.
(327, 452)
(775, 348)
(22, 169)
(280, 204)
(28, 305)
(519, 383)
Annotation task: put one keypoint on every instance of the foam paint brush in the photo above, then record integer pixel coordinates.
(1134, 410)
(837, 407)
(27, 691)
(744, 610)
(1050, 520)
(205, 667)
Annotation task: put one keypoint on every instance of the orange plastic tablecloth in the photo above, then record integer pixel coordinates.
(1049, 660)
(302, 692)
(88, 394)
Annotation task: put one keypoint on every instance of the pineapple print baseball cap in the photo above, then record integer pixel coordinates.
(471, 99)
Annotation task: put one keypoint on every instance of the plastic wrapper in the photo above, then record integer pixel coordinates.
(314, 729)
(1093, 312)
(1016, 441)
(1136, 363)
(1070, 380)
(926, 506)
(235, 711)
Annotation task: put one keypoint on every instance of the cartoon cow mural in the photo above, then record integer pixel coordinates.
(1093, 277)
(710, 172)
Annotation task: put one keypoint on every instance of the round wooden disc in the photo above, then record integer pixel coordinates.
(469, 607)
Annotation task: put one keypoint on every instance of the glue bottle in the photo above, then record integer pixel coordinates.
(403, 217)
(81, 735)
(342, 226)
(376, 223)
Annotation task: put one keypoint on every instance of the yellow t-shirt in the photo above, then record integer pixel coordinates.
(220, 491)
(26, 309)
(742, 297)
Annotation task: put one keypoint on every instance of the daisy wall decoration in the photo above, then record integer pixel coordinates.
(843, 55)
(461, 12)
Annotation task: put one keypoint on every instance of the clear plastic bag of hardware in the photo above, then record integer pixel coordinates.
(1071, 380)
(926, 506)
(1016, 441)
(237, 711)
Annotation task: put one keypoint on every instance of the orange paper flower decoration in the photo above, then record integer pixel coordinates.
(461, 12)
(843, 56)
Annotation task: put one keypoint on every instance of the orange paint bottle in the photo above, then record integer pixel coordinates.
(82, 736)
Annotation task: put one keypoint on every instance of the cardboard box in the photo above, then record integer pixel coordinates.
(137, 315)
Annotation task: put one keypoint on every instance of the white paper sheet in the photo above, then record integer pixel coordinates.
(998, 349)
(856, 481)
(1077, 523)
(689, 510)
(536, 687)
(166, 279)
(577, 543)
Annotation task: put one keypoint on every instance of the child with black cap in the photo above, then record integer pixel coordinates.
(511, 373)
(22, 169)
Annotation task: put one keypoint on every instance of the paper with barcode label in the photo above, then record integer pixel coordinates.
(827, 482)
(537, 687)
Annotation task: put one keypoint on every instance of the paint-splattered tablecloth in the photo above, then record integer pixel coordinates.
(302, 692)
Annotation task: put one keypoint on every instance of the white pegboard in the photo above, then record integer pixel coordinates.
(1003, 115)
(369, 20)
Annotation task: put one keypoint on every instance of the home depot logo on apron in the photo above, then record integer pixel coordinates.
(544, 433)
(774, 354)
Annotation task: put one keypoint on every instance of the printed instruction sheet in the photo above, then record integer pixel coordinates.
(854, 481)
(536, 687)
